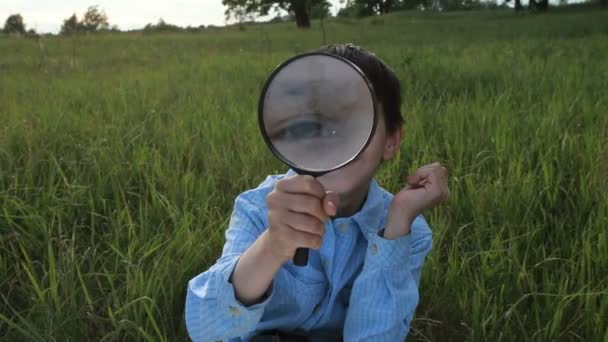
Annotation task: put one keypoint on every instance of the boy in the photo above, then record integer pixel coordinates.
(367, 247)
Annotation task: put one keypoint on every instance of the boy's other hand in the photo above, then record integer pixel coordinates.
(426, 188)
(298, 208)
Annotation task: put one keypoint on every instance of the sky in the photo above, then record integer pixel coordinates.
(48, 15)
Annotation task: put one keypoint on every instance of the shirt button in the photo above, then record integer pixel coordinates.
(374, 249)
(234, 311)
(343, 227)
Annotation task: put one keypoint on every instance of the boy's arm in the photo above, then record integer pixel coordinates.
(216, 300)
(385, 294)
(213, 311)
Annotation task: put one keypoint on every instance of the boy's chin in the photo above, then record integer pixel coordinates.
(337, 182)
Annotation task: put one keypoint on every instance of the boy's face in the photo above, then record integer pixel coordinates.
(352, 180)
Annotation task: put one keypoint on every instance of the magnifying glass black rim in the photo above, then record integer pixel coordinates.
(261, 112)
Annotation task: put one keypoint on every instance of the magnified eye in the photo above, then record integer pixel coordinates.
(302, 129)
(306, 130)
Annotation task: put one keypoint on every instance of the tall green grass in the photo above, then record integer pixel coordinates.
(121, 156)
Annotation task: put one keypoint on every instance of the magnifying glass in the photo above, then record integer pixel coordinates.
(317, 113)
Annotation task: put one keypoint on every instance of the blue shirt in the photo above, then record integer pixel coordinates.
(358, 286)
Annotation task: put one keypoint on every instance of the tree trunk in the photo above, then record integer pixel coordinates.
(540, 5)
(518, 5)
(386, 6)
(299, 9)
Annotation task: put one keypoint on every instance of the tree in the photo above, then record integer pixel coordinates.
(71, 25)
(365, 8)
(458, 5)
(377, 6)
(195, 29)
(299, 8)
(14, 24)
(353, 9)
(242, 17)
(540, 5)
(518, 7)
(94, 19)
(162, 26)
(320, 10)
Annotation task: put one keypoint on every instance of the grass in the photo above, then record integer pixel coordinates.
(121, 156)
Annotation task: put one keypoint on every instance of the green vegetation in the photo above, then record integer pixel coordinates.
(121, 156)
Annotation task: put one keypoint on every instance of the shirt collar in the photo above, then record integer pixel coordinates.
(371, 215)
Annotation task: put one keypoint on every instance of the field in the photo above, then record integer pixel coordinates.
(121, 156)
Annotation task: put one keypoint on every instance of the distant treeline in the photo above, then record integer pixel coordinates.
(95, 20)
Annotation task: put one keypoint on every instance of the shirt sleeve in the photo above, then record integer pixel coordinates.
(212, 311)
(385, 294)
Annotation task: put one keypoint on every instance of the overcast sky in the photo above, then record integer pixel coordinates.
(48, 15)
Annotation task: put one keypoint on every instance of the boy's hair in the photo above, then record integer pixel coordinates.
(384, 81)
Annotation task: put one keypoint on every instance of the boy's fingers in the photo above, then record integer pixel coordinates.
(306, 240)
(301, 184)
(426, 172)
(304, 223)
(331, 201)
(431, 165)
(303, 204)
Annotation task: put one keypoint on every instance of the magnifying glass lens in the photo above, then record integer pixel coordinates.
(317, 112)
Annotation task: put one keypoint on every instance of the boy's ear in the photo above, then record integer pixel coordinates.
(393, 141)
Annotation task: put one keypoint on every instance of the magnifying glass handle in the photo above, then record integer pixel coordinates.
(301, 257)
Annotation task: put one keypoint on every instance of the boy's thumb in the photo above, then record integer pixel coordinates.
(330, 203)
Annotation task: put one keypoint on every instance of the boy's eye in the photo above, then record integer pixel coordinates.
(306, 130)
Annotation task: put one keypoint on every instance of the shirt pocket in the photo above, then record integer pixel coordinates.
(301, 290)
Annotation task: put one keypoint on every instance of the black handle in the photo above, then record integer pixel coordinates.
(301, 257)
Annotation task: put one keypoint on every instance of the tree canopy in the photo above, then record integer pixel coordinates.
(93, 20)
(14, 24)
(301, 9)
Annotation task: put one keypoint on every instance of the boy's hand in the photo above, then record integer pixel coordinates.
(297, 210)
(426, 188)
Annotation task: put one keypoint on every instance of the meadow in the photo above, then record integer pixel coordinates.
(121, 156)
